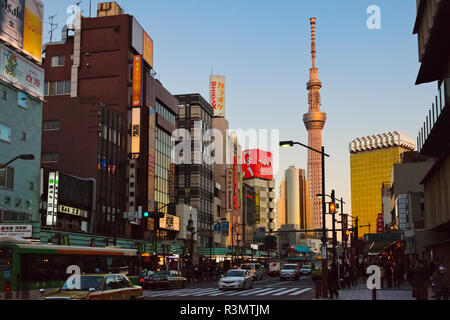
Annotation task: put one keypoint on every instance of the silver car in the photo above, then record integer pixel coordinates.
(236, 279)
(290, 271)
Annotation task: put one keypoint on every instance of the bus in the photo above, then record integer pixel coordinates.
(26, 267)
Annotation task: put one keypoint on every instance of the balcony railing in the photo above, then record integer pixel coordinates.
(441, 102)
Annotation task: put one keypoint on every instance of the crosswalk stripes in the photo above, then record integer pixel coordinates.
(214, 292)
(285, 292)
(300, 292)
(270, 292)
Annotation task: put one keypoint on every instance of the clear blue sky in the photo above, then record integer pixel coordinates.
(263, 49)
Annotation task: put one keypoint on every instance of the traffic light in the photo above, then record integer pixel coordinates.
(93, 242)
(356, 230)
(332, 203)
(347, 233)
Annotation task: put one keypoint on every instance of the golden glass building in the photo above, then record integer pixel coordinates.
(371, 162)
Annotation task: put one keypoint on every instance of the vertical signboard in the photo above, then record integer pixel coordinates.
(135, 132)
(148, 49)
(151, 162)
(380, 223)
(21, 23)
(217, 94)
(257, 207)
(229, 190)
(235, 181)
(52, 198)
(137, 81)
(33, 24)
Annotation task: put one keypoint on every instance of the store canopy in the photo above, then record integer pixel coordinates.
(296, 259)
(302, 249)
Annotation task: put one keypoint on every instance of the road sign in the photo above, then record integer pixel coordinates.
(225, 226)
(324, 251)
(217, 227)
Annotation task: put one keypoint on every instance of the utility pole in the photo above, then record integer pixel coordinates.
(53, 26)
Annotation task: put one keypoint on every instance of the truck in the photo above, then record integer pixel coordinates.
(274, 268)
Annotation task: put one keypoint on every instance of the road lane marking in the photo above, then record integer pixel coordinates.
(285, 292)
(300, 292)
(270, 292)
(204, 293)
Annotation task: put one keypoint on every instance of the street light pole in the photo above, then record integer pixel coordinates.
(324, 209)
(22, 157)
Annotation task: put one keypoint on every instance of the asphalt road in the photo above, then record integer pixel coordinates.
(266, 289)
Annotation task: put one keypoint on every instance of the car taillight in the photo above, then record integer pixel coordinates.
(254, 271)
(141, 280)
(7, 286)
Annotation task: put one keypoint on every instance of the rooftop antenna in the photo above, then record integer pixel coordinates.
(78, 5)
(53, 26)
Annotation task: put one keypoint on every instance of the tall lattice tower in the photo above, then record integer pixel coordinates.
(314, 122)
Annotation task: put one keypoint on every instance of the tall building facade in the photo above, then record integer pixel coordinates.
(314, 122)
(432, 28)
(102, 96)
(296, 208)
(371, 161)
(195, 181)
(21, 101)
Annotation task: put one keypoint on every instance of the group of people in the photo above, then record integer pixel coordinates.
(342, 275)
(392, 273)
(438, 277)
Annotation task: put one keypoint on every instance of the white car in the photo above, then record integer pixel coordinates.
(236, 279)
(290, 271)
(305, 269)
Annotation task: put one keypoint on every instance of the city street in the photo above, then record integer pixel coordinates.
(267, 289)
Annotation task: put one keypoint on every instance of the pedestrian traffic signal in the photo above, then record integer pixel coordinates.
(146, 214)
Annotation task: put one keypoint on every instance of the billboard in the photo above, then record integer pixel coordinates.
(21, 23)
(217, 94)
(170, 222)
(21, 73)
(137, 81)
(257, 164)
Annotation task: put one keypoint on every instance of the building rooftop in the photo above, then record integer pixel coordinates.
(380, 141)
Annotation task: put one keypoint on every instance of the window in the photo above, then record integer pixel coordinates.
(63, 87)
(58, 61)
(51, 125)
(24, 136)
(46, 89)
(50, 157)
(4, 95)
(22, 100)
(5, 132)
(7, 178)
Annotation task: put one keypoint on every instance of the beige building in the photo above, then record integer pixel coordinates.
(294, 205)
(265, 205)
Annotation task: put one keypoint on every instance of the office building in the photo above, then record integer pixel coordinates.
(371, 161)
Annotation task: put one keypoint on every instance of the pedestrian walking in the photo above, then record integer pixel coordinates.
(441, 283)
(388, 274)
(333, 281)
(420, 281)
(382, 275)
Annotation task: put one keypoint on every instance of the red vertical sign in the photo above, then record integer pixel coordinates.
(380, 224)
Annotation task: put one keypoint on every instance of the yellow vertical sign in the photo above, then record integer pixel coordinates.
(148, 49)
(135, 132)
(32, 34)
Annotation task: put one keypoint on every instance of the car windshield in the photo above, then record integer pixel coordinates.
(81, 283)
(161, 274)
(247, 267)
(289, 267)
(234, 273)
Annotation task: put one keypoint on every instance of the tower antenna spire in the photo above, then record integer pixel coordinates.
(313, 41)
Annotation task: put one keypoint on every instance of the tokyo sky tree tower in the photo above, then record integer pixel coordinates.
(314, 122)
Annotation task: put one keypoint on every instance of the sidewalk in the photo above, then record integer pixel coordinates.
(360, 292)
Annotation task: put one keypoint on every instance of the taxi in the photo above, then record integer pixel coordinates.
(96, 287)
